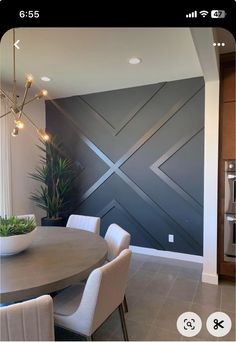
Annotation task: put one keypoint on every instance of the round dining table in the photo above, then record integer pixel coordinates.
(57, 258)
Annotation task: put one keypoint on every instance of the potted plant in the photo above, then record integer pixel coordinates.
(56, 175)
(16, 234)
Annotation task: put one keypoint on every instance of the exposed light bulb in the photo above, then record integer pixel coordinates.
(19, 124)
(42, 93)
(43, 135)
(45, 92)
(29, 80)
(15, 132)
(46, 137)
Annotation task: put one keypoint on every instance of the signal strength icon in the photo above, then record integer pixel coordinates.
(203, 13)
(192, 15)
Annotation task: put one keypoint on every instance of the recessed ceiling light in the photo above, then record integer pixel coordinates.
(135, 60)
(45, 78)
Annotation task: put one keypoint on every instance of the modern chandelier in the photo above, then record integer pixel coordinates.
(17, 109)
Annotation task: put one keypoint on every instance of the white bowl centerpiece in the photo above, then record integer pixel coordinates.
(16, 234)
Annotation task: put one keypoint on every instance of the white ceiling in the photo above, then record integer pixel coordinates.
(87, 60)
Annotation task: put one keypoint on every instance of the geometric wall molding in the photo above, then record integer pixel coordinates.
(143, 99)
(132, 144)
(115, 204)
(155, 167)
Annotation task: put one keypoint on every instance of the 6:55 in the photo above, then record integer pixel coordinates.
(29, 14)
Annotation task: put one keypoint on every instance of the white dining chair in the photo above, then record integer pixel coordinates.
(117, 240)
(31, 320)
(89, 223)
(28, 216)
(82, 309)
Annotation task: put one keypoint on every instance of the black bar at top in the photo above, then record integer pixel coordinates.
(66, 13)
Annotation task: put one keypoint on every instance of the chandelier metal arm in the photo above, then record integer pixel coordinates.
(14, 71)
(22, 113)
(7, 96)
(10, 99)
(17, 109)
(32, 99)
(30, 120)
(40, 131)
(23, 102)
(2, 116)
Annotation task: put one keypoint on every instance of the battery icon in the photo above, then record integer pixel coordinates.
(218, 14)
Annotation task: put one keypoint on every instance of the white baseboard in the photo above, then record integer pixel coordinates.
(167, 254)
(210, 278)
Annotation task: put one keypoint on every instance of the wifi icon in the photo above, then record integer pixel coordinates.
(203, 13)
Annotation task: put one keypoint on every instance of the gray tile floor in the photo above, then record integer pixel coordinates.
(158, 291)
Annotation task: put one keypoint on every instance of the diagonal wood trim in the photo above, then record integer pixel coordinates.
(99, 116)
(139, 143)
(176, 147)
(155, 128)
(137, 110)
(164, 214)
(83, 137)
(111, 205)
(133, 149)
(115, 204)
(114, 167)
(187, 197)
(130, 116)
(155, 167)
(96, 185)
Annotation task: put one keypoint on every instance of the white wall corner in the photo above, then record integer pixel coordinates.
(208, 57)
(210, 278)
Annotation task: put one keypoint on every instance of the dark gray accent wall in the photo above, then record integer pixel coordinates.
(139, 153)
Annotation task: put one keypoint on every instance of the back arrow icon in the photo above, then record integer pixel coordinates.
(15, 44)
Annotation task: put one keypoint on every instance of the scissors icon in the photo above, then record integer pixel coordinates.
(218, 324)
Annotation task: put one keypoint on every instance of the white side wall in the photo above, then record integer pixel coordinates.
(25, 156)
(209, 274)
(208, 58)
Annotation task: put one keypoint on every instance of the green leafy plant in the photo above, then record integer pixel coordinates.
(16, 226)
(56, 175)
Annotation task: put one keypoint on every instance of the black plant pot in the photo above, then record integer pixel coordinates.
(61, 222)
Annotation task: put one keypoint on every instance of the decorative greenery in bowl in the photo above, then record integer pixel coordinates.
(16, 226)
(16, 234)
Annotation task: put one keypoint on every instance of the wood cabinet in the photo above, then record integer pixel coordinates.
(227, 142)
(228, 130)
